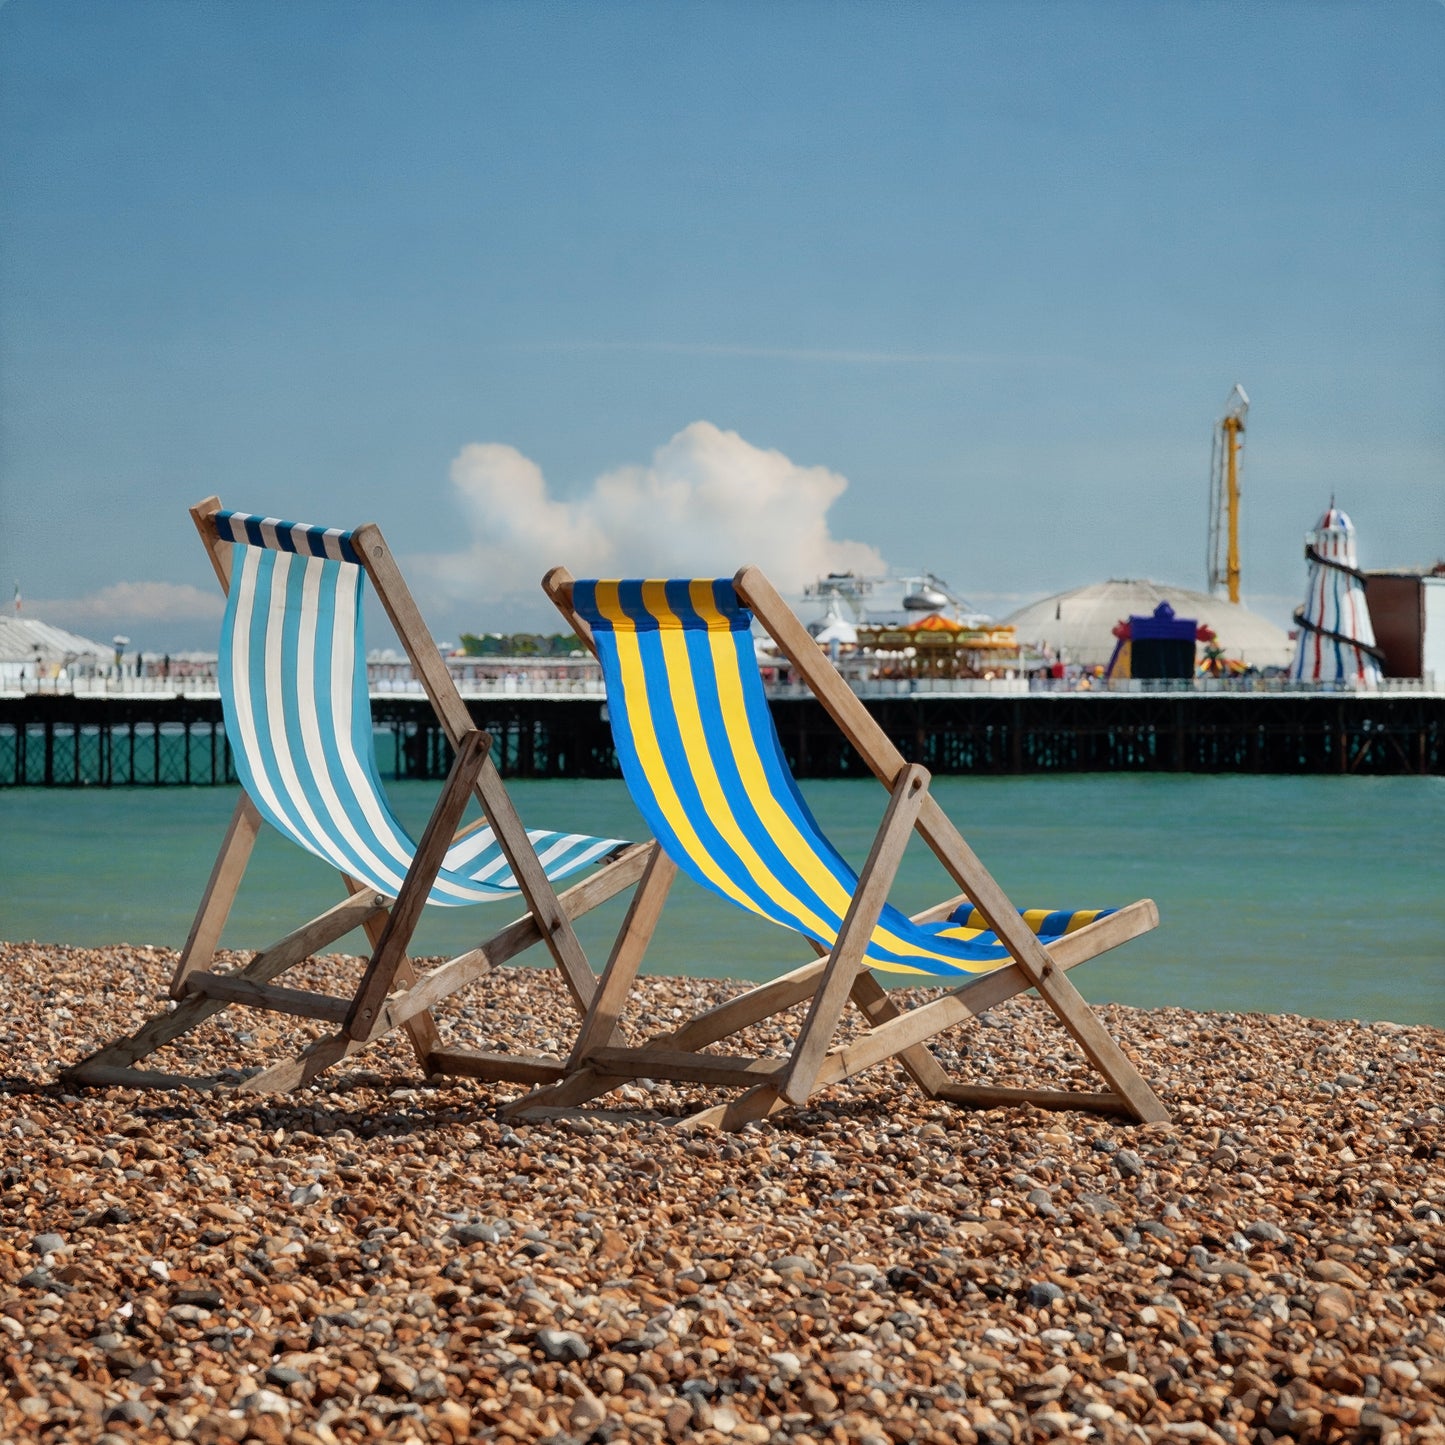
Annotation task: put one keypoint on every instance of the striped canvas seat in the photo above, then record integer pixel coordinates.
(293, 685)
(702, 759)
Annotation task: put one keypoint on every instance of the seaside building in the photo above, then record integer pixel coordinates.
(1079, 626)
(1336, 642)
(1407, 611)
(32, 651)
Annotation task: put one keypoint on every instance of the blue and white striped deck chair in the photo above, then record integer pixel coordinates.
(292, 675)
(703, 761)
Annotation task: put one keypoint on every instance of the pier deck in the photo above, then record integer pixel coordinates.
(159, 740)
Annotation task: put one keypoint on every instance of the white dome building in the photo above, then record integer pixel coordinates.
(1080, 624)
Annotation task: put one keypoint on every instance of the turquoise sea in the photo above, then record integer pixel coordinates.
(1322, 896)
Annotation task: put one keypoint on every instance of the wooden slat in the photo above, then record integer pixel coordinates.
(628, 949)
(269, 964)
(290, 1074)
(987, 1096)
(557, 584)
(119, 1076)
(203, 514)
(235, 852)
(412, 632)
(859, 922)
(748, 1008)
(576, 1088)
(941, 911)
(232, 988)
(556, 928)
(767, 999)
(874, 1004)
(756, 1103)
(518, 936)
(335, 923)
(377, 982)
(498, 1068)
(221, 888)
(682, 1065)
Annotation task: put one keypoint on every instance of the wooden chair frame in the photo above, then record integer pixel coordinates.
(597, 1066)
(389, 994)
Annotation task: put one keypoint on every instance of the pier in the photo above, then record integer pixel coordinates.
(156, 739)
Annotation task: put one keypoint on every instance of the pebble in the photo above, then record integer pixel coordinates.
(379, 1257)
(563, 1345)
(1334, 1303)
(1044, 1292)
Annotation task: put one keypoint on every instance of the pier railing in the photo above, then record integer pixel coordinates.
(580, 683)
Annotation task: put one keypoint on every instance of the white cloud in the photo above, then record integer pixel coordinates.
(124, 606)
(707, 503)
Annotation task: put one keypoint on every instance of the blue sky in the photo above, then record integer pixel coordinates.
(663, 287)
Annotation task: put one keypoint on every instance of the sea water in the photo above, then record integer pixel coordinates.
(1322, 896)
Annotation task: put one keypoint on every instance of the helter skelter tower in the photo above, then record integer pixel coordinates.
(1336, 642)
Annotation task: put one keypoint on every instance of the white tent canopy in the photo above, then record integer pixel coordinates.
(31, 648)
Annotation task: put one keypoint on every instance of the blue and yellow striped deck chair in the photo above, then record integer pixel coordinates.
(703, 762)
(292, 674)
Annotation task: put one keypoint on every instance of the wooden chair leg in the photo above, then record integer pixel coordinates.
(600, 1024)
(421, 1028)
(577, 1088)
(755, 1103)
(557, 931)
(1082, 1024)
(108, 1065)
(390, 951)
(292, 1073)
(225, 880)
(874, 1004)
(894, 1036)
(846, 959)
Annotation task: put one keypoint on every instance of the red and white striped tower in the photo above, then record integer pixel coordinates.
(1336, 642)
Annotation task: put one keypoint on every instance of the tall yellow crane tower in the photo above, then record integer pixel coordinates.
(1224, 468)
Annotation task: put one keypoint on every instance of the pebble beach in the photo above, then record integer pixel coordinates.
(379, 1257)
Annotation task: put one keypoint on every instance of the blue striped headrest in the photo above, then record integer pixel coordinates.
(271, 532)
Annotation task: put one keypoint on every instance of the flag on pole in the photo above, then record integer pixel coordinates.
(17, 599)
